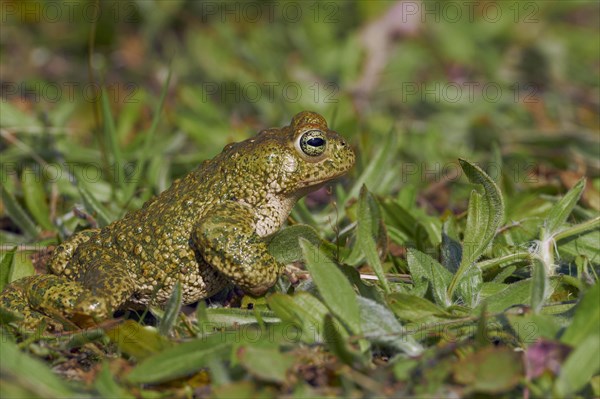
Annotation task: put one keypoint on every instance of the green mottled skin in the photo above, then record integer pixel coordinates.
(206, 230)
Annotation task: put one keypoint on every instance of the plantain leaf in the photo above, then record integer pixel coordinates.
(182, 359)
(380, 326)
(485, 215)
(266, 363)
(284, 245)
(303, 310)
(423, 266)
(326, 275)
(540, 286)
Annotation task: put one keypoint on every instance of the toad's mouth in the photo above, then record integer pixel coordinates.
(318, 183)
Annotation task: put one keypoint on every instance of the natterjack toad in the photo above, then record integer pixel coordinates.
(206, 230)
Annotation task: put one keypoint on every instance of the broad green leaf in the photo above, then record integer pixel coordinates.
(584, 244)
(22, 266)
(303, 310)
(369, 222)
(136, 340)
(586, 321)
(380, 326)
(579, 229)
(562, 209)
(504, 260)
(336, 339)
(491, 288)
(106, 385)
(413, 308)
(517, 293)
(35, 198)
(17, 369)
(490, 370)
(6, 265)
(424, 266)
(503, 275)
(17, 214)
(494, 169)
(171, 311)
(182, 359)
(335, 289)
(469, 289)
(540, 286)
(285, 247)
(216, 318)
(531, 327)
(581, 365)
(485, 215)
(266, 363)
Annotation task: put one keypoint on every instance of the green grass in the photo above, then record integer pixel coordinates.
(459, 257)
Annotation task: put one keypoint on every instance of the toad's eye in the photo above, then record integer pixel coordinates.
(313, 143)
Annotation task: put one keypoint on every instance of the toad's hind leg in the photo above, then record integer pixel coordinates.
(98, 289)
(49, 298)
(15, 299)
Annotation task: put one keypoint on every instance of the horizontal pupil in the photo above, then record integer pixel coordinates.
(315, 142)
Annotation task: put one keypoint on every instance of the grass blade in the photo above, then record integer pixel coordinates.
(94, 206)
(171, 311)
(148, 139)
(36, 199)
(18, 215)
(369, 222)
(562, 209)
(112, 142)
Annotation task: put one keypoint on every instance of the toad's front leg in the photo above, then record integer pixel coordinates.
(227, 240)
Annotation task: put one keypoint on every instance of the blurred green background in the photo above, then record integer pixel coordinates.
(451, 78)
